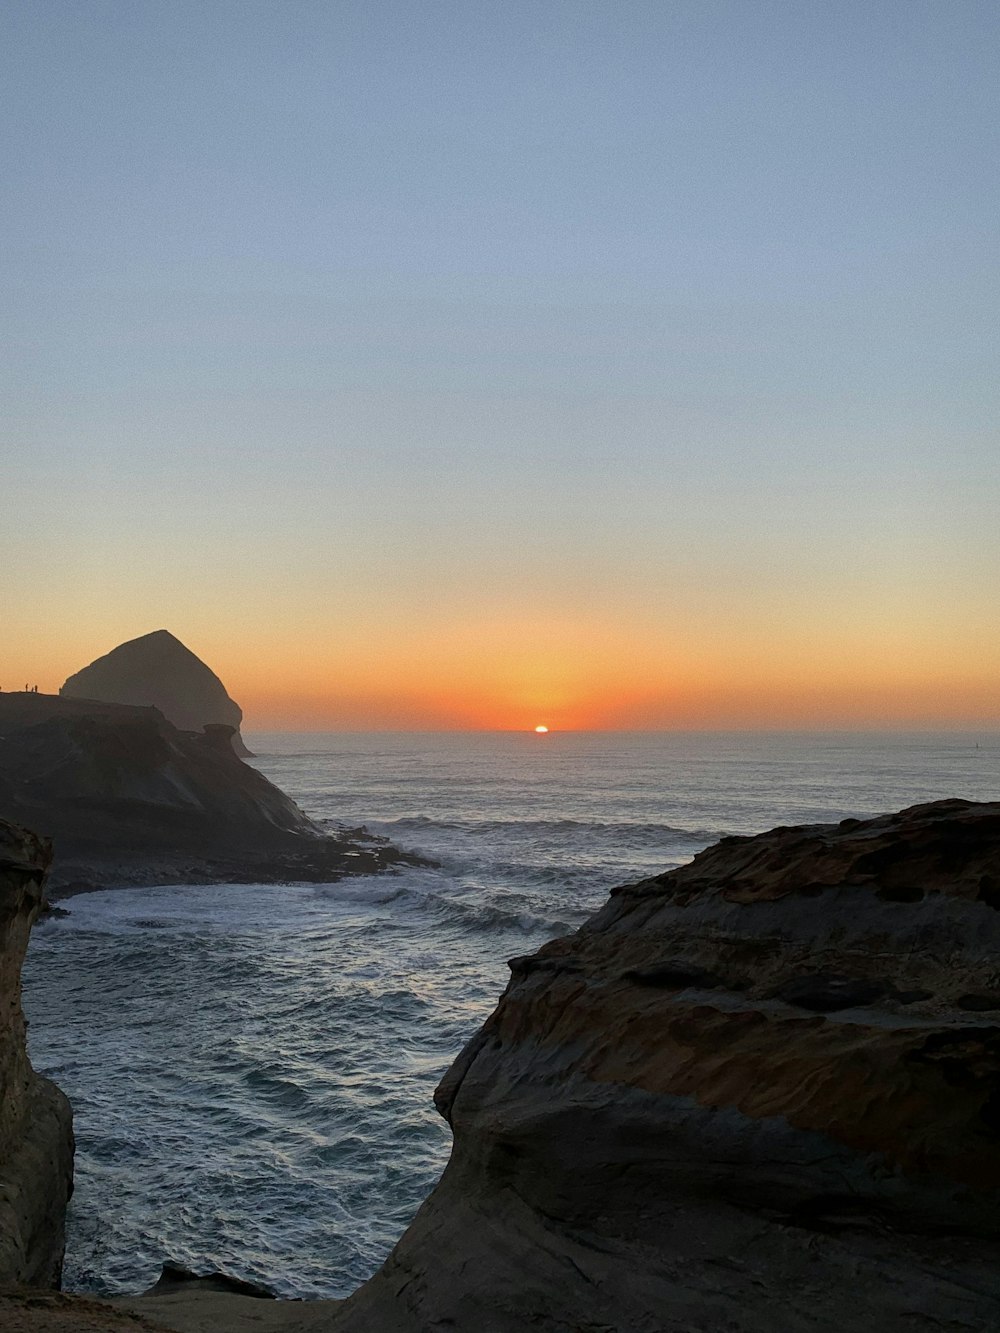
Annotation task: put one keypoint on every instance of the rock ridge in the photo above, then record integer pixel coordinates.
(759, 1091)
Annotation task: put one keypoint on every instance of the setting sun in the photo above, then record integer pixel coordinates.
(541, 730)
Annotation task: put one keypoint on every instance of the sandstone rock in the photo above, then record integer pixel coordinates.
(36, 1127)
(750, 1095)
(158, 671)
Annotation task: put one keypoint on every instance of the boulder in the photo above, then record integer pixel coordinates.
(36, 1124)
(157, 670)
(758, 1092)
(175, 1278)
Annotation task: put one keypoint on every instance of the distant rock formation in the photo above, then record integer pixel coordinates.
(157, 670)
(759, 1092)
(127, 798)
(36, 1124)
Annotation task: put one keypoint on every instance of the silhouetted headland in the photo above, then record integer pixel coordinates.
(157, 669)
(128, 798)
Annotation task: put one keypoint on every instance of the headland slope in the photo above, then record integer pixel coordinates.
(129, 798)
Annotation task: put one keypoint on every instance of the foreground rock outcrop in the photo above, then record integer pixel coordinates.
(158, 671)
(757, 1093)
(36, 1125)
(127, 798)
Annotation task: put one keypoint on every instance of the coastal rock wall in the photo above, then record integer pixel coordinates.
(760, 1091)
(127, 798)
(36, 1128)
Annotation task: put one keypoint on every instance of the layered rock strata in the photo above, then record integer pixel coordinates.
(158, 671)
(36, 1127)
(758, 1092)
(127, 798)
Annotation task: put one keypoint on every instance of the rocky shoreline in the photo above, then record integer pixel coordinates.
(758, 1092)
(320, 860)
(128, 799)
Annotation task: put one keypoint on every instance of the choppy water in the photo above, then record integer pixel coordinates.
(252, 1066)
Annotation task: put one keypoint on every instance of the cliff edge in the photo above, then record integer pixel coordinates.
(158, 671)
(761, 1091)
(36, 1124)
(127, 798)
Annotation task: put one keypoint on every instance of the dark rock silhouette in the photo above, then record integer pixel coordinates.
(175, 1277)
(158, 670)
(36, 1124)
(749, 1094)
(127, 798)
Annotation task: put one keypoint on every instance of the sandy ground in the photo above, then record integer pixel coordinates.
(23, 1310)
(224, 1312)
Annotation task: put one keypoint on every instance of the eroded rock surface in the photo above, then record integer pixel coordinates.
(759, 1092)
(36, 1126)
(157, 670)
(127, 798)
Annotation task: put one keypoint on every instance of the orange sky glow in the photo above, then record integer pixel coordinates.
(568, 676)
(631, 370)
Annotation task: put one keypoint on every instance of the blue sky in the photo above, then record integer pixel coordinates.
(528, 314)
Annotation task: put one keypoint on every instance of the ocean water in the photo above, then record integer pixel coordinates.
(251, 1066)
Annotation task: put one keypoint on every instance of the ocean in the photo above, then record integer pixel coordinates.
(251, 1067)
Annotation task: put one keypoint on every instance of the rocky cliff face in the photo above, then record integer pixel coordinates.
(759, 1092)
(158, 671)
(36, 1128)
(127, 798)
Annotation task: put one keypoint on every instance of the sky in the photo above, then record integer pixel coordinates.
(453, 364)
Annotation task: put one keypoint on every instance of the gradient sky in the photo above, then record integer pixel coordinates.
(440, 364)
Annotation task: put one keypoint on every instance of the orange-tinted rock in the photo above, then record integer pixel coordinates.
(758, 1092)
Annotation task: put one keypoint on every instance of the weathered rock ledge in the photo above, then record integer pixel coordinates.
(36, 1125)
(759, 1092)
(129, 799)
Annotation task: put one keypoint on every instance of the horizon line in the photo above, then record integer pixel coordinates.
(963, 727)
